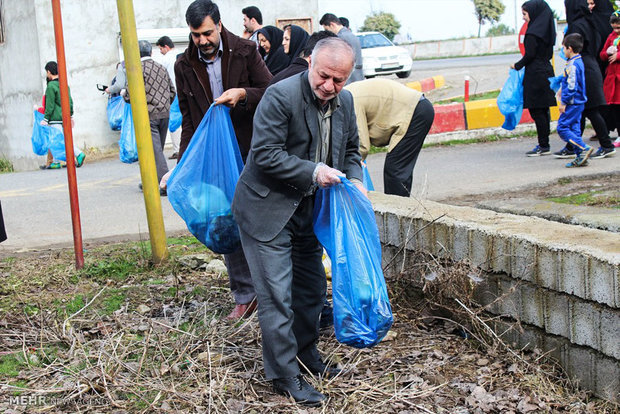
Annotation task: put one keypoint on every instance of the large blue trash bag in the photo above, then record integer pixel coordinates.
(127, 147)
(510, 99)
(175, 115)
(116, 107)
(57, 144)
(202, 185)
(344, 223)
(366, 181)
(47, 138)
(40, 135)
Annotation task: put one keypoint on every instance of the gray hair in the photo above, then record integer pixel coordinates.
(336, 47)
(145, 48)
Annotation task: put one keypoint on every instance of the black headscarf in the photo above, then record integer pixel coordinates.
(542, 23)
(580, 21)
(600, 15)
(299, 38)
(276, 59)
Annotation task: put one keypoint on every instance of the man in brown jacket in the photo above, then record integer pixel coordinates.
(221, 67)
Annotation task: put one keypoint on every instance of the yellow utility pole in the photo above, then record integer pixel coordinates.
(142, 129)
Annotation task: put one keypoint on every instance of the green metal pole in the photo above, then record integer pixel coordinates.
(142, 128)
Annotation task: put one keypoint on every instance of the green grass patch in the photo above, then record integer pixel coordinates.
(75, 304)
(591, 198)
(113, 301)
(6, 166)
(475, 97)
(114, 268)
(10, 365)
(31, 310)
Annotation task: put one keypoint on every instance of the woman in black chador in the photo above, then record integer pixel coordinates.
(537, 94)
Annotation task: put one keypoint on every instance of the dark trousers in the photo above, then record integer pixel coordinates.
(289, 279)
(399, 163)
(542, 118)
(159, 129)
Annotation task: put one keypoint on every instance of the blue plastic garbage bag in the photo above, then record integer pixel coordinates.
(344, 223)
(57, 144)
(127, 147)
(202, 185)
(510, 99)
(116, 107)
(41, 135)
(366, 181)
(175, 115)
(555, 82)
(47, 138)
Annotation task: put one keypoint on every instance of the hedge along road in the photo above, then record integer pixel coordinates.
(36, 203)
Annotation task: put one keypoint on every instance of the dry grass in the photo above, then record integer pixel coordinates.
(126, 336)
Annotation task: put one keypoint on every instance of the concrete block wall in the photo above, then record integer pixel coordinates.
(561, 282)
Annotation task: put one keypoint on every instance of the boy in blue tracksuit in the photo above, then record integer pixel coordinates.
(573, 97)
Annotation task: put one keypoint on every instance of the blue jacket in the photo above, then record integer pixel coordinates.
(574, 82)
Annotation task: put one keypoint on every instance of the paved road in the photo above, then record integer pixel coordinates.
(36, 203)
(37, 213)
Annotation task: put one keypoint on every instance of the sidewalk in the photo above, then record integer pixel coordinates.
(37, 213)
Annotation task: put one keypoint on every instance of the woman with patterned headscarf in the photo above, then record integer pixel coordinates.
(580, 20)
(537, 94)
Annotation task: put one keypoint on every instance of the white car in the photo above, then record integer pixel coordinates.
(381, 57)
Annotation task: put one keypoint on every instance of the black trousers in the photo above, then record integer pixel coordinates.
(542, 118)
(399, 163)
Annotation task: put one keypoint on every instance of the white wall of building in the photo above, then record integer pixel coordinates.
(91, 42)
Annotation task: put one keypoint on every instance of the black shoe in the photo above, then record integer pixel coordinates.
(297, 387)
(140, 186)
(163, 192)
(174, 156)
(320, 369)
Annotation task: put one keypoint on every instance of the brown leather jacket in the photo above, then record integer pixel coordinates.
(242, 67)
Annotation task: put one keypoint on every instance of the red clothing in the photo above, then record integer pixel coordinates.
(611, 85)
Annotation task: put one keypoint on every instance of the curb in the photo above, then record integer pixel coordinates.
(427, 84)
(475, 115)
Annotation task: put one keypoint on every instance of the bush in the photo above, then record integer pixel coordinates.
(500, 30)
(384, 23)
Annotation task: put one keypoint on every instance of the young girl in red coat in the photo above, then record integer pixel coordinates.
(611, 85)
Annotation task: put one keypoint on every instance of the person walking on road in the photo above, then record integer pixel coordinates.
(537, 94)
(573, 98)
(611, 85)
(53, 114)
(581, 21)
(221, 67)
(389, 114)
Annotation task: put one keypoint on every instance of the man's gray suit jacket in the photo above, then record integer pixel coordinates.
(278, 172)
